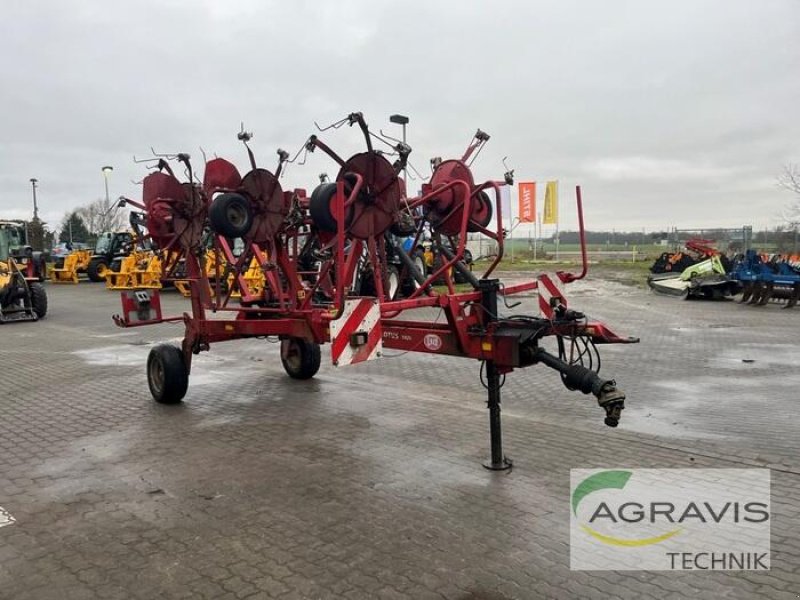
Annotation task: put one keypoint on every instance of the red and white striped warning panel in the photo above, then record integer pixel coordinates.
(357, 335)
(551, 294)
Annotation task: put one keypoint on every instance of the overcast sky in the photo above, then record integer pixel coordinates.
(669, 113)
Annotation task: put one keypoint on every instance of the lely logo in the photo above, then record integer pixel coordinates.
(432, 342)
(603, 481)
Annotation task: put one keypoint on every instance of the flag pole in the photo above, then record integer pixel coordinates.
(511, 220)
(558, 218)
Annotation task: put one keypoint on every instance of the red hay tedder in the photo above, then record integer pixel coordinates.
(315, 250)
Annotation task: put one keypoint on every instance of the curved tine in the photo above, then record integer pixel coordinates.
(134, 182)
(380, 139)
(387, 136)
(294, 158)
(157, 155)
(334, 125)
(413, 168)
(143, 160)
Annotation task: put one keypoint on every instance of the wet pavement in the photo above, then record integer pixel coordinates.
(365, 482)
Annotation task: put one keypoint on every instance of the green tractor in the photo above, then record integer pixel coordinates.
(22, 296)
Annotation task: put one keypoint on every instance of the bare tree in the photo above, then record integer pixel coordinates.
(102, 215)
(790, 180)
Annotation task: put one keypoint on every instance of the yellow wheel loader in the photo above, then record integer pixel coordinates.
(75, 262)
(21, 298)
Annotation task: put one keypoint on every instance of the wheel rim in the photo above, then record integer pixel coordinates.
(420, 264)
(236, 215)
(293, 358)
(394, 284)
(156, 375)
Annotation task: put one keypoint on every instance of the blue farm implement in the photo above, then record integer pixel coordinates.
(764, 280)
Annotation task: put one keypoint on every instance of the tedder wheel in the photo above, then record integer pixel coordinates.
(97, 270)
(482, 212)
(300, 358)
(419, 261)
(38, 299)
(230, 215)
(166, 374)
(321, 210)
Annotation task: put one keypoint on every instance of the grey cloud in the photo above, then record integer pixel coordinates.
(666, 112)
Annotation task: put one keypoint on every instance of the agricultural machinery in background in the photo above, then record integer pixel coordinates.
(22, 296)
(326, 262)
(702, 271)
(15, 243)
(69, 268)
(699, 271)
(762, 280)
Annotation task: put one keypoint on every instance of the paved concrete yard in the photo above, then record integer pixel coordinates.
(366, 481)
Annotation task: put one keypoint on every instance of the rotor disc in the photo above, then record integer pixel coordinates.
(378, 203)
(269, 206)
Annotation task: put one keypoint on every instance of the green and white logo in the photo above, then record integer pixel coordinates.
(670, 519)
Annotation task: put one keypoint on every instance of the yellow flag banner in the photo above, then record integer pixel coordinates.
(527, 202)
(551, 204)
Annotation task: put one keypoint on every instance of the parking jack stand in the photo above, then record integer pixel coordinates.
(498, 461)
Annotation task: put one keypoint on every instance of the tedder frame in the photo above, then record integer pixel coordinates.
(325, 263)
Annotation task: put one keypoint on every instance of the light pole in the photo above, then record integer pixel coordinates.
(106, 172)
(34, 181)
(402, 120)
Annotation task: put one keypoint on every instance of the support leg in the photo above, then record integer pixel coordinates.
(498, 461)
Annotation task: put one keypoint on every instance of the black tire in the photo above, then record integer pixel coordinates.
(303, 358)
(166, 374)
(484, 211)
(230, 215)
(38, 299)
(319, 206)
(96, 268)
(410, 285)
